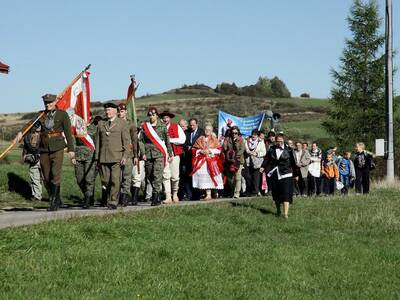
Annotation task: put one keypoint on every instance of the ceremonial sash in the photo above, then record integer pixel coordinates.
(156, 140)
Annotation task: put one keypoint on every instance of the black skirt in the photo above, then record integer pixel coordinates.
(282, 190)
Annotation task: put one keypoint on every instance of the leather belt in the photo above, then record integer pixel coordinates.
(53, 134)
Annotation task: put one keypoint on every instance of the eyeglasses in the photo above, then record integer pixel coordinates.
(235, 133)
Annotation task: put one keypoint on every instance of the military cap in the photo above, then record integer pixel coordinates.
(122, 106)
(167, 113)
(152, 110)
(110, 104)
(49, 98)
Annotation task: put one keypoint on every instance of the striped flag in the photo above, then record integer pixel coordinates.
(130, 101)
(76, 102)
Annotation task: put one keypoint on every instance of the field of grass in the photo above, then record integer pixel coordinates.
(15, 189)
(311, 129)
(329, 248)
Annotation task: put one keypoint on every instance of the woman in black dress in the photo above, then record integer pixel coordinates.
(279, 165)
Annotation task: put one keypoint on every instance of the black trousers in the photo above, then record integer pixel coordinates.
(253, 179)
(362, 181)
(303, 184)
(328, 185)
(314, 185)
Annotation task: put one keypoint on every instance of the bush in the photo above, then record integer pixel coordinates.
(279, 88)
(305, 95)
(227, 89)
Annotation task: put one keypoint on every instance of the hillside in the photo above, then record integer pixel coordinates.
(301, 117)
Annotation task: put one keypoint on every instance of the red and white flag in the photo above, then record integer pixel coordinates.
(76, 101)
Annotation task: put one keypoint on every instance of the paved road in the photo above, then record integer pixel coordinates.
(19, 218)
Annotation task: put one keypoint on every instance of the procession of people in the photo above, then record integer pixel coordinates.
(166, 162)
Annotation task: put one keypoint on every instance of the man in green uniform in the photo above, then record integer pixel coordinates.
(126, 184)
(156, 148)
(85, 166)
(55, 129)
(112, 147)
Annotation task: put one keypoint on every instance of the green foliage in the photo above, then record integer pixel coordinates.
(279, 88)
(215, 251)
(305, 95)
(358, 108)
(227, 89)
(264, 87)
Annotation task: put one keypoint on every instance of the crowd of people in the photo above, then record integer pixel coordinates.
(166, 162)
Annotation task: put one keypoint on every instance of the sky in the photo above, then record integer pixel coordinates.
(168, 44)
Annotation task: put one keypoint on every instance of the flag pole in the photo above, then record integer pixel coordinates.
(132, 108)
(41, 114)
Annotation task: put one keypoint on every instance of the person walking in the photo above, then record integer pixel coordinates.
(31, 156)
(255, 152)
(329, 174)
(112, 152)
(192, 134)
(156, 148)
(363, 164)
(279, 165)
(234, 147)
(347, 172)
(314, 171)
(85, 167)
(303, 160)
(55, 136)
(171, 173)
(207, 165)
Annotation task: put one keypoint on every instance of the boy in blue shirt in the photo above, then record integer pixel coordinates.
(346, 171)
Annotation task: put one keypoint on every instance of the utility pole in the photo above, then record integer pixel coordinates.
(389, 92)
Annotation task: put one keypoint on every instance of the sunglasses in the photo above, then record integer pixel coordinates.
(235, 133)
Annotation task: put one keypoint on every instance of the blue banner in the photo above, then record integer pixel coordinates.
(245, 124)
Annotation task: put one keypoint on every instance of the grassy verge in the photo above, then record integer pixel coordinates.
(330, 248)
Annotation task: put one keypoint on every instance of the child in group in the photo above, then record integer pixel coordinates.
(330, 174)
(346, 172)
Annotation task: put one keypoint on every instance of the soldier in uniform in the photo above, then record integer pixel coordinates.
(85, 167)
(126, 184)
(55, 129)
(155, 146)
(112, 147)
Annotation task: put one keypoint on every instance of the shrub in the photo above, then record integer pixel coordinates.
(305, 95)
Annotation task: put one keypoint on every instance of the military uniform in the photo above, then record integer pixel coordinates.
(55, 129)
(154, 164)
(112, 145)
(85, 167)
(31, 156)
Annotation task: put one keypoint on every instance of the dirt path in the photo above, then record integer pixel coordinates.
(35, 216)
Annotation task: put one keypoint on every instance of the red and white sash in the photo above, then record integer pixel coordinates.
(156, 140)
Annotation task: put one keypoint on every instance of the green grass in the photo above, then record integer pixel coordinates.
(332, 248)
(308, 128)
(14, 174)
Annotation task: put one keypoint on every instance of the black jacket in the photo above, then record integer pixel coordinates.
(189, 143)
(363, 161)
(286, 162)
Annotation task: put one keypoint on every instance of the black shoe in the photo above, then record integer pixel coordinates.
(104, 196)
(86, 202)
(111, 206)
(155, 199)
(124, 200)
(135, 194)
(54, 197)
(91, 201)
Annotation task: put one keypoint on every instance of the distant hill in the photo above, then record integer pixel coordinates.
(301, 117)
